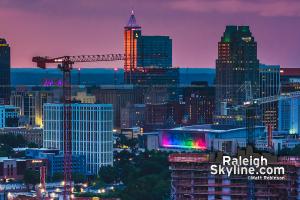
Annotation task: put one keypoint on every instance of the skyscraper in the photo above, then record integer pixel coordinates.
(132, 31)
(151, 55)
(237, 67)
(4, 72)
(269, 82)
(154, 51)
(92, 126)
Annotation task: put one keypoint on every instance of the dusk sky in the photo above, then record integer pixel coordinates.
(75, 27)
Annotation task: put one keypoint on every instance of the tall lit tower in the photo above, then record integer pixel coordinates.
(132, 31)
(237, 67)
(4, 72)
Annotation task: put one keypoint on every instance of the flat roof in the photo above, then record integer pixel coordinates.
(211, 128)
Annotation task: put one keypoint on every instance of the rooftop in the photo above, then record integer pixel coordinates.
(212, 128)
(132, 21)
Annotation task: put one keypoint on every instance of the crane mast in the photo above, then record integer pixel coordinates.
(65, 64)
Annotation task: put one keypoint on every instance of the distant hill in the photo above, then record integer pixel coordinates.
(98, 76)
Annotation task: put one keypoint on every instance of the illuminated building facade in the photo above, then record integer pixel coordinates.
(237, 68)
(191, 179)
(199, 101)
(155, 51)
(4, 72)
(92, 137)
(9, 116)
(148, 59)
(31, 105)
(206, 137)
(269, 84)
(56, 160)
(289, 115)
(132, 31)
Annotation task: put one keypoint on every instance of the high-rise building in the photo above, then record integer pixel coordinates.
(132, 31)
(133, 116)
(154, 51)
(237, 68)
(199, 101)
(31, 105)
(269, 84)
(4, 72)
(92, 126)
(151, 52)
(119, 96)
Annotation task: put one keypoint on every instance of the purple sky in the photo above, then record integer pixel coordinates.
(72, 27)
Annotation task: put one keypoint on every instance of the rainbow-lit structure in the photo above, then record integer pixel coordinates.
(177, 139)
(206, 137)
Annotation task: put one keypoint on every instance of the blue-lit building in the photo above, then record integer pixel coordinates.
(56, 160)
(9, 116)
(92, 137)
(288, 112)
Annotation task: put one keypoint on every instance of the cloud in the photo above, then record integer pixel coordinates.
(267, 8)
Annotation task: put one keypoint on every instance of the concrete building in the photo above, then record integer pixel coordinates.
(92, 136)
(14, 168)
(133, 116)
(149, 141)
(119, 96)
(83, 97)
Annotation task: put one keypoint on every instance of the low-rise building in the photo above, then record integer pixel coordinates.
(14, 168)
(9, 116)
(207, 137)
(56, 160)
(31, 135)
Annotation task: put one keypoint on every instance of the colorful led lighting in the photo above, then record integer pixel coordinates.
(183, 140)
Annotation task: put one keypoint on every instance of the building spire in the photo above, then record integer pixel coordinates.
(132, 21)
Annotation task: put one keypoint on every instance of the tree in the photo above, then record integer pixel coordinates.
(78, 177)
(108, 174)
(6, 150)
(58, 176)
(31, 177)
(32, 145)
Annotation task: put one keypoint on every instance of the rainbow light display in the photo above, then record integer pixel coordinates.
(183, 140)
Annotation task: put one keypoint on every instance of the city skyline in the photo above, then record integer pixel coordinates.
(46, 28)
